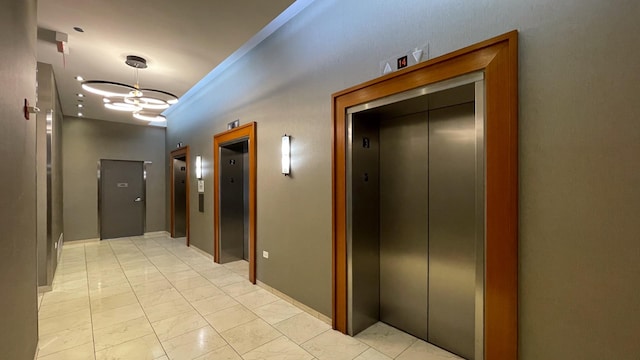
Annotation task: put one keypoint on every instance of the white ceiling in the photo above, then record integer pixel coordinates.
(181, 40)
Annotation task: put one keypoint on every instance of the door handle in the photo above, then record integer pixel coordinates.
(138, 199)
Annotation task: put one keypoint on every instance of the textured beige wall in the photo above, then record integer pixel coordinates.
(86, 141)
(18, 278)
(579, 144)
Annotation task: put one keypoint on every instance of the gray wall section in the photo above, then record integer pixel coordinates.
(578, 160)
(18, 277)
(85, 142)
(49, 174)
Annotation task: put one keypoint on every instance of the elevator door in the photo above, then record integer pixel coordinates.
(234, 206)
(452, 228)
(403, 222)
(415, 214)
(121, 198)
(180, 197)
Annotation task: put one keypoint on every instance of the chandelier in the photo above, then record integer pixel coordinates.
(145, 104)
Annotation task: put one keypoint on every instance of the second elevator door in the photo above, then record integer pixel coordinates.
(427, 165)
(234, 202)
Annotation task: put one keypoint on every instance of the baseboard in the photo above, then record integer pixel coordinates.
(35, 356)
(44, 288)
(156, 233)
(202, 252)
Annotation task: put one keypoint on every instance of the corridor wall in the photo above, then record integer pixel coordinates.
(86, 141)
(579, 138)
(18, 276)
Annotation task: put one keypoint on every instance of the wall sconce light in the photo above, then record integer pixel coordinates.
(199, 167)
(286, 154)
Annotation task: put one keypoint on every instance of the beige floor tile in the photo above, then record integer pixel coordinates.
(372, 354)
(277, 311)
(168, 268)
(249, 336)
(144, 278)
(181, 275)
(215, 272)
(190, 283)
(302, 327)
(193, 344)
(206, 267)
(74, 320)
(178, 325)
(98, 274)
(100, 304)
(110, 291)
(201, 293)
(82, 352)
(106, 282)
(141, 262)
(167, 310)
(224, 353)
(71, 285)
(240, 288)
(238, 266)
(421, 350)
(145, 348)
(61, 308)
(150, 288)
(127, 283)
(386, 339)
(65, 277)
(227, 279)
(64, 340)
(159, 297)
(122, 332)
(214, 304)
(115, 316)
(256, 299)
(332, 345)
(56, 296)
(229, 318)
(278, 349)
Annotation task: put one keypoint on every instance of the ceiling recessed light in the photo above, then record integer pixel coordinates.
(79, 78)
(78, 29)
(80, 114)
(80, 95)
(80, 105)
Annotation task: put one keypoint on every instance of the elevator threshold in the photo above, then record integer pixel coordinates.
(397, 344)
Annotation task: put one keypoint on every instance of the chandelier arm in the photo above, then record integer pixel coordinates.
(88, 85)
(160, 91)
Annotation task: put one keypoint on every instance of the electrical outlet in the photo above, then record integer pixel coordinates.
(265, 254)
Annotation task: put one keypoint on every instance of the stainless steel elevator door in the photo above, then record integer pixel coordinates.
(233, 202)
(404, 149)
(452, 228)
(364, 262)
(122, 198)
(180, 197)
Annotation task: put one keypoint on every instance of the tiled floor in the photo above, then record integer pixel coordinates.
(154, 298)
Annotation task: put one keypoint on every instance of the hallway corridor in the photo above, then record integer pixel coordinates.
(154, 298)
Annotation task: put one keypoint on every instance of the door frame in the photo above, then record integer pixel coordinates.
(240, 133)
(498, 59)
(178, 153)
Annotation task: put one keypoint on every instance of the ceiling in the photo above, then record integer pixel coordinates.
(182, 42)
